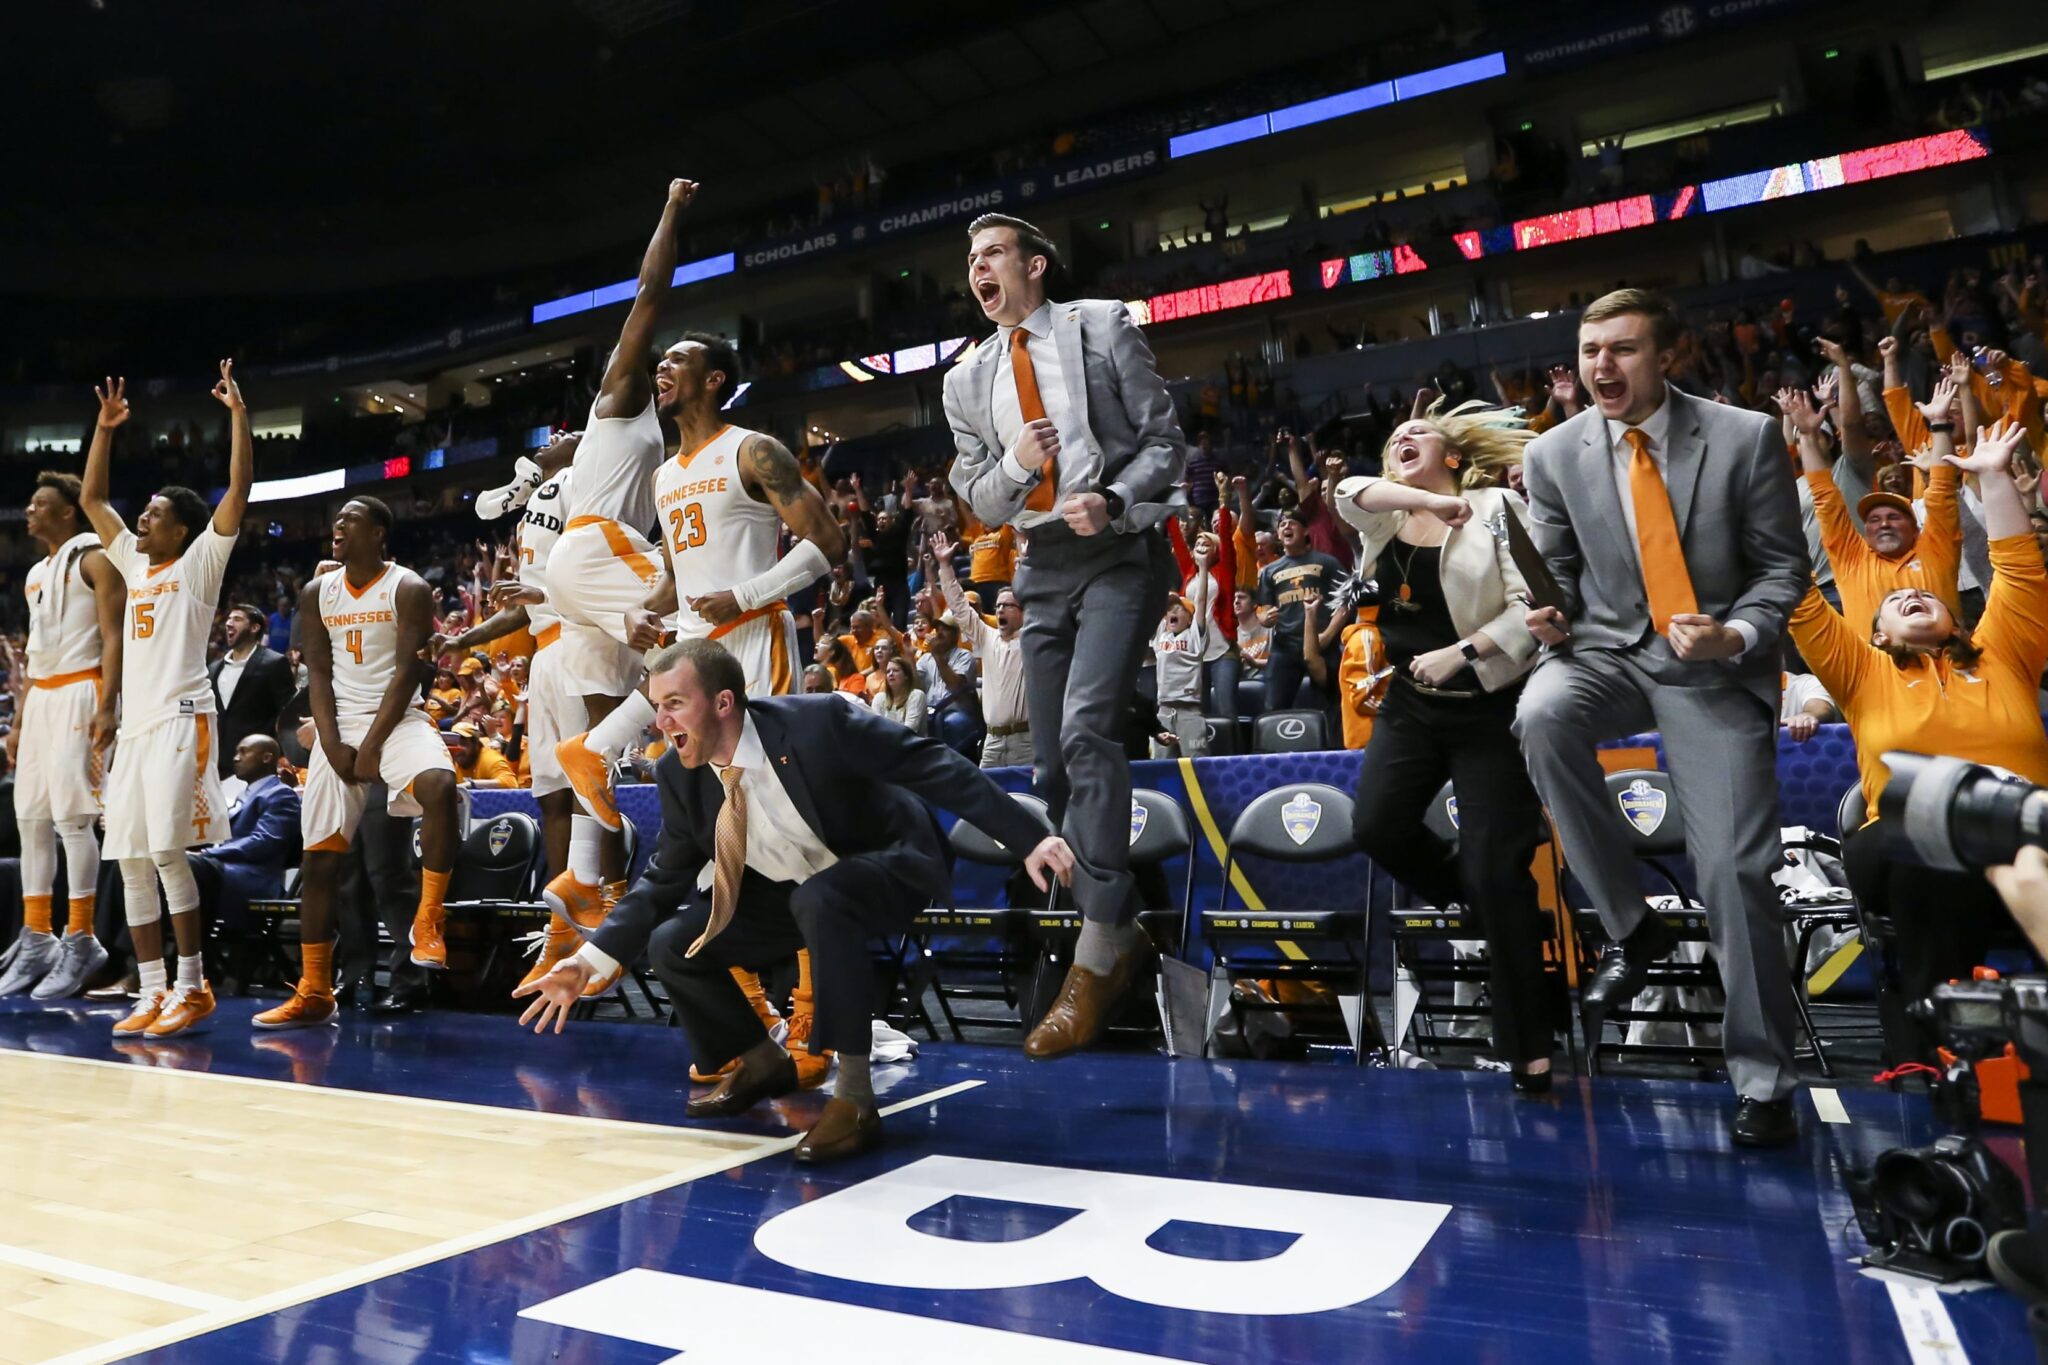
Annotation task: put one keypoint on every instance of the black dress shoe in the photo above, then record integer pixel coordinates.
(392, 1004)
(1531, 1082)
(354, 995)
(1625, 966)
(744, 1087)
(1764, 1123)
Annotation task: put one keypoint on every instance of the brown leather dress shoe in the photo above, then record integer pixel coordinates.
(743, 1088)
(845, 1129)
(1082, 1011)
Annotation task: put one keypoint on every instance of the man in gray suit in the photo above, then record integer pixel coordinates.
(1065, 430)
(1672, 528)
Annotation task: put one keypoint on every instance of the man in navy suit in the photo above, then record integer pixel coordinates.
(263, 837)
(786, 823)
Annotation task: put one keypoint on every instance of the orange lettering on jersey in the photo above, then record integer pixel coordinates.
(356, 618)
(698, 489)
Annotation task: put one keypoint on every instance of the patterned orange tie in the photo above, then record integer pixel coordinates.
(1032, 407)
(728, 858)
(1665, 578)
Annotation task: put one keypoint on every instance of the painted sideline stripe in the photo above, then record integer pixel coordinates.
(1930, 1333)
(1828, 1104)
(1198, 800)
(57, 1267)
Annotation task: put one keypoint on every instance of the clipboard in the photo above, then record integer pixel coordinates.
(1507, 528)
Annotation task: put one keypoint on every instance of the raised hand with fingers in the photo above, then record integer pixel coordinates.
(1941, 407)
(226, 390)
(1994, 449)
(113, 402)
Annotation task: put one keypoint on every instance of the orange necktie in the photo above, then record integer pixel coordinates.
(728, 859)
(1665, 578)
(1032, 407)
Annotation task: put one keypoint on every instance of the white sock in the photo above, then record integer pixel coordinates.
(586, 837)
(138, 886)
(191, 972)
(38, 856)
(181, 889)
(621, 729)
(154, 977)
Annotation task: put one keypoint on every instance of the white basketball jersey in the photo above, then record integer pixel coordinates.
(716, 532)
(540, 526)
(63, 617)
(614, 462)
(169, 621)
(362, 636)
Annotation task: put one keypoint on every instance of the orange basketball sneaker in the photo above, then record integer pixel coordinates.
(584, 906)
(184, 1008)
(810, 1070)
(549, 946)
(763, 1010)
(148, 1006)
(591, 778)
(429, 949)
(306, 1009)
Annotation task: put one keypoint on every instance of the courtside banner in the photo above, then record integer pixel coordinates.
(1016, 193)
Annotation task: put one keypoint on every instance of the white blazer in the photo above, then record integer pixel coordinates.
(1483, 588)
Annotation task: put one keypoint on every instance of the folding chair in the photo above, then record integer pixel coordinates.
(1160, 832)
(987, 946)
(492, 893)
(1417, 970)
(1647, 807)
(260, 958)
(1306, 822)
(1290, 732)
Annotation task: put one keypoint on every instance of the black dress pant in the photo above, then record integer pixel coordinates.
(380, 881)
(833, 914)
(1941, 924)
(1419, 742)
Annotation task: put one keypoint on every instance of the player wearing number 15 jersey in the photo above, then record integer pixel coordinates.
(366, 625)
(163, 795)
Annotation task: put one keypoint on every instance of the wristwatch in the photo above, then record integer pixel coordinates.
(1113, 500)
(1469, 650)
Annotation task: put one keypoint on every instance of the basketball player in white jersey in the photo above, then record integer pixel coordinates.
(163, 795)
(67, 720)
(586, 861)
(610, 504)
(365, 627)
(723, 500)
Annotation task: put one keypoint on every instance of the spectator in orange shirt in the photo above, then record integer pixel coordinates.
(847, 676)
(866, 630)
(444, 699)
(991, 559)
(477, 762)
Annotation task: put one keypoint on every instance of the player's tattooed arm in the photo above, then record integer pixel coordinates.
(772, 475)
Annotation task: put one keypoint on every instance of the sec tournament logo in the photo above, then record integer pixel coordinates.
(1644, 805)
(1300, 816)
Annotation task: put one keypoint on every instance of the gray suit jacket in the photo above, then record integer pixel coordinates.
(1114, 389)
(1738, 519)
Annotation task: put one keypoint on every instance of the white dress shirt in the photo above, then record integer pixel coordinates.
(1657, 427)
(781, 845)
(1079, 466)
(231, 670)
(999, 661)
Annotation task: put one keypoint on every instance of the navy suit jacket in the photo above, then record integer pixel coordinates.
(860, 780)
(263, 841)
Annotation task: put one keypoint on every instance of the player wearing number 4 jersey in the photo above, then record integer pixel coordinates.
(163, 795)
(366, 626)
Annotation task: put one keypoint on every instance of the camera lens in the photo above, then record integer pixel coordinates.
(1918, 1189)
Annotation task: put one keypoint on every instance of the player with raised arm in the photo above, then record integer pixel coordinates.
(60, 735)
(586, 861)
(163, 795)
(367, 624)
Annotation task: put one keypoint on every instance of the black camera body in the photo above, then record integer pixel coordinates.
(1933, 1211)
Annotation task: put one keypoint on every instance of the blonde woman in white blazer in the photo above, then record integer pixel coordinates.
(1452, 611)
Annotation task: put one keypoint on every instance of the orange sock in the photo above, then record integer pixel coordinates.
(803, 972)
(316, 968)
(35, 913)
(80, 921)
(433, 890)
